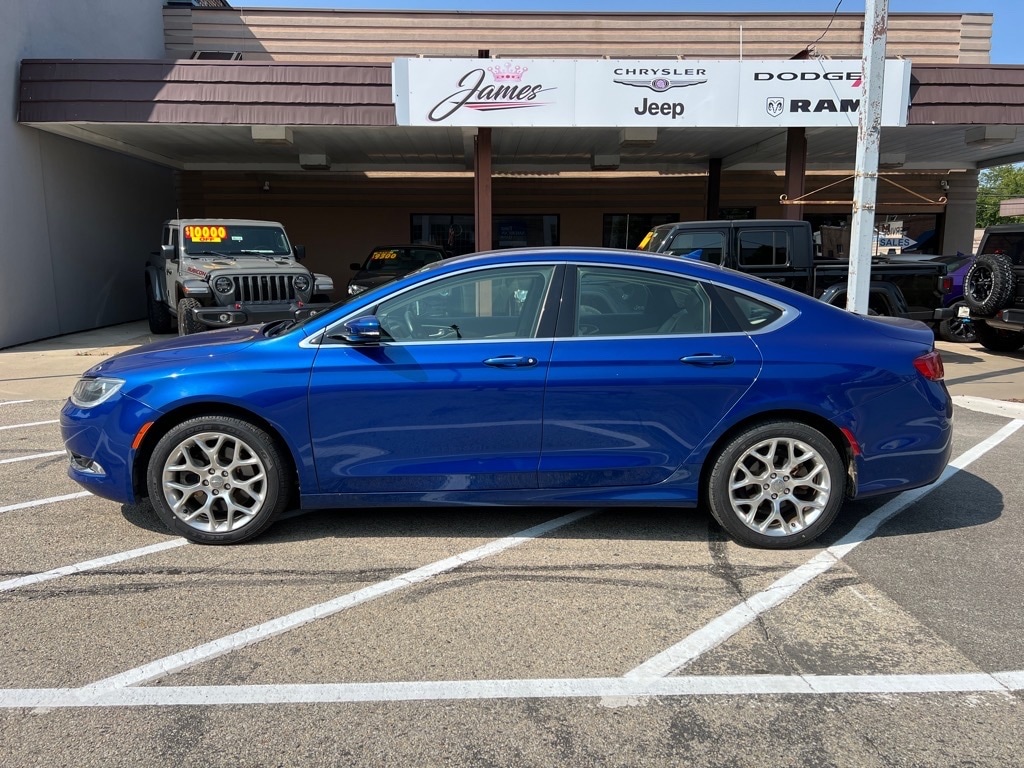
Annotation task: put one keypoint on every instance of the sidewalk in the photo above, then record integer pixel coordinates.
(47, 370)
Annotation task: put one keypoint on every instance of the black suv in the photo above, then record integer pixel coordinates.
(994, 289)
(386, 262)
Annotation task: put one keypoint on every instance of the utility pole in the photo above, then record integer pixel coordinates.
(869, 130)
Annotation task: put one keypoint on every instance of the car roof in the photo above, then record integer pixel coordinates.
(700, 270)
(227, 222)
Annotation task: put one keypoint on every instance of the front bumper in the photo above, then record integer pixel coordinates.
(250, 314)
(99, 443)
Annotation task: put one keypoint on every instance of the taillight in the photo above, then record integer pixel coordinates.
(947, 284)
(930, 365)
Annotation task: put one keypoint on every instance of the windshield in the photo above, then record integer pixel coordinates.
(234, 240)
(653, 240)
(400, 259)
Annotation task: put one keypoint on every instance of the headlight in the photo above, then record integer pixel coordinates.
(301, 283)
(89, 393)
(354, 289)
(223, 285)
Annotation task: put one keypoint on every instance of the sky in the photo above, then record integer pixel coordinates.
(1008, 21)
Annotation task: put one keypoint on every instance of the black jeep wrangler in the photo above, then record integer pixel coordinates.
(994, 289)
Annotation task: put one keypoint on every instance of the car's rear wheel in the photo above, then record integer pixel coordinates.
(990, 283)
(160, 319)
(777, 484)
(217, 480)
(187, 322)
(956, 329)
(996, 339)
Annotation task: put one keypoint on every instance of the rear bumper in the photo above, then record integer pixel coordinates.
(1006, 320)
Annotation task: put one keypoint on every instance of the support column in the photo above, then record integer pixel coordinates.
(482, 209)
(713, 204)
(796, 171)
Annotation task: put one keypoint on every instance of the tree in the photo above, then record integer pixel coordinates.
(995, 185)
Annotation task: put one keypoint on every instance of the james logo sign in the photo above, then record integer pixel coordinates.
(505, 93)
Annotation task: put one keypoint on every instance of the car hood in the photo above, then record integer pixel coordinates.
(177, 350)
(373, 279)
(201, 267)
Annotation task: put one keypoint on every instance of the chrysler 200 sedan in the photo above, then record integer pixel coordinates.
(548, 377)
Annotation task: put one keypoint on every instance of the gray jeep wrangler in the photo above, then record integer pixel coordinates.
(216, 273)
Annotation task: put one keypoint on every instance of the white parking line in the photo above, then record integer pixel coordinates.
(29, 424)
(41, 502)
(466, 690)
(732, 621)
(274, 627)
(32, 456)
(14, 402)
(88, 565)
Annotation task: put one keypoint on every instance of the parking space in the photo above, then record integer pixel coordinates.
(526, 636)
(512, 637)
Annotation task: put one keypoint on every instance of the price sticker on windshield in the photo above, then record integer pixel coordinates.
(205, 234)
(383, 255)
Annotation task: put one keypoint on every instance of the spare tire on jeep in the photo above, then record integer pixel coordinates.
(990, 283)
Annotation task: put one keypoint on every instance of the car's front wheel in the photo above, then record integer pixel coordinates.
(187, 322)
(217, 480)
(777, 484)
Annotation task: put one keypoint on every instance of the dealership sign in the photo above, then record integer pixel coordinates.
(623, 93)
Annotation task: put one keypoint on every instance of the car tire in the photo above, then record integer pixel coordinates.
(989, 284)
(217, 480)
(187, 322)
(996, 339)
(777, 484)
(956, 329)
(160, 318)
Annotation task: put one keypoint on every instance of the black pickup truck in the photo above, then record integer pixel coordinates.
(994, 289)
(782, 250)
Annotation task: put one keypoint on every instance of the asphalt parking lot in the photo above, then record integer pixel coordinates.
(511, 637)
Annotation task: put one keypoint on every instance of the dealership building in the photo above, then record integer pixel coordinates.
(471, 130)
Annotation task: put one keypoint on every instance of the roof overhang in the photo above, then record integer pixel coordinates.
(271, 116)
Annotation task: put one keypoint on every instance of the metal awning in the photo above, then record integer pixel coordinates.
(271, 116)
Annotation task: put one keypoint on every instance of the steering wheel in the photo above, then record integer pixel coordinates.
(407, 318)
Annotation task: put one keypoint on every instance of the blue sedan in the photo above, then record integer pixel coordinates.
(551, 376)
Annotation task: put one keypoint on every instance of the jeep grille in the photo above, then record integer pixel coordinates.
(254, 289)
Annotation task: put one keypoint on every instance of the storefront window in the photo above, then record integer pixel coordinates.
(456, 233)
(626, 230)
(453, 232)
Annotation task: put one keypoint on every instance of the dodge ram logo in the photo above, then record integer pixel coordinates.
(773, 106)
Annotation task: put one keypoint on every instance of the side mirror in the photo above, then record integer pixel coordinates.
(361, 330)
(355, 266)
(168, 251)
(300, 252)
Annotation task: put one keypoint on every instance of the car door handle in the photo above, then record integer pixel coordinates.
(707, 358)
(511, 361)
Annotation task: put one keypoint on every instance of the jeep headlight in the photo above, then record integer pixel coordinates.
(88, 393)
(223, 284)
(301, 283)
